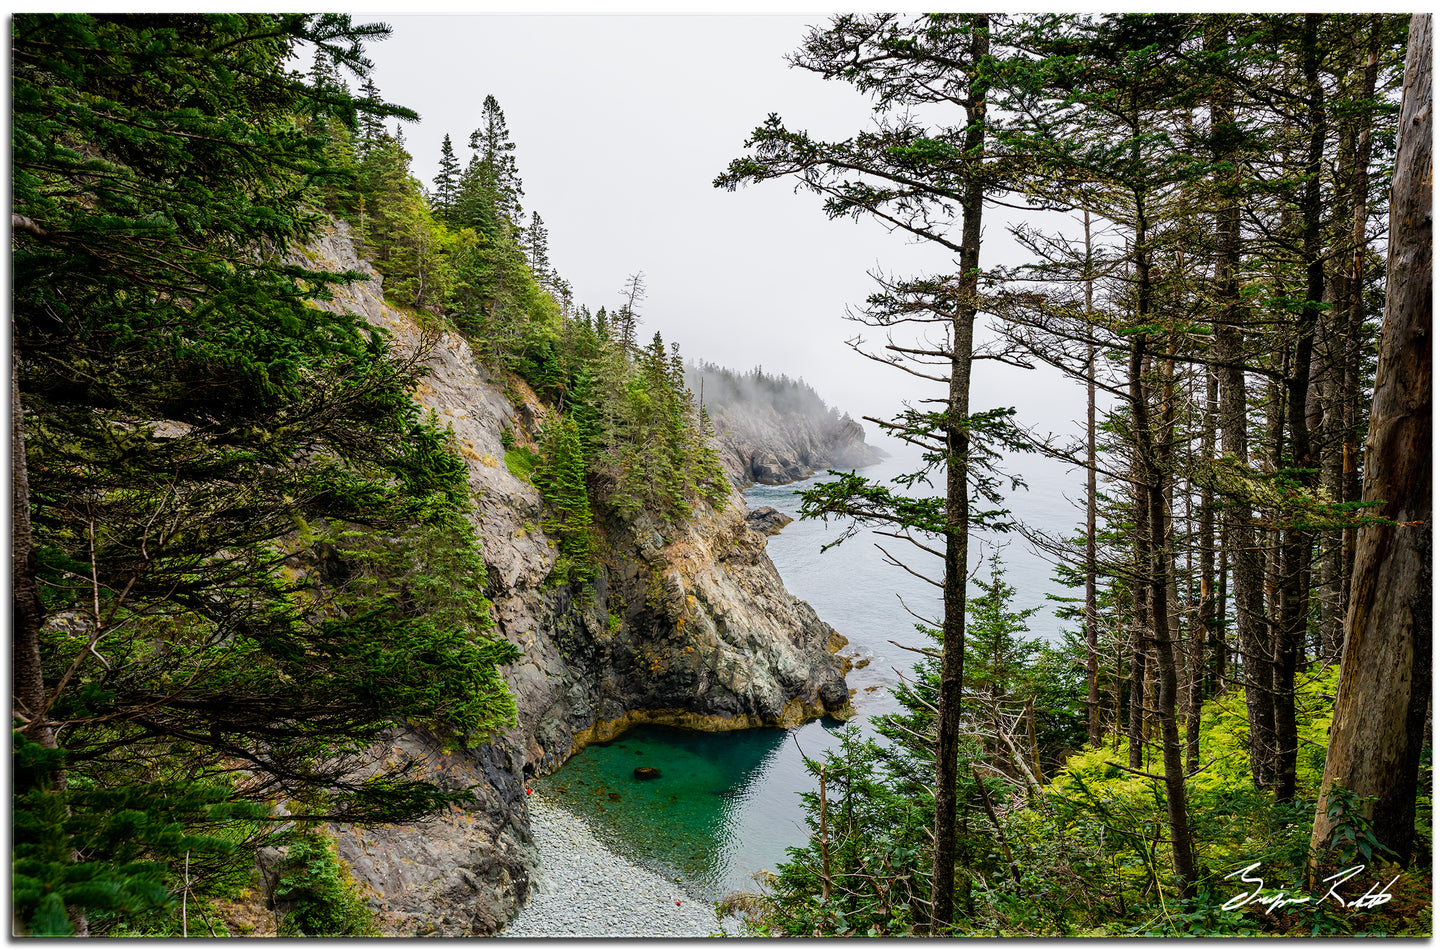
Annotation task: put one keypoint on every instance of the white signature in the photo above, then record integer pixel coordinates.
(1274, 901)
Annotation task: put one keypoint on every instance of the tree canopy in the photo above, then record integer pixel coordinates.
(231, 517)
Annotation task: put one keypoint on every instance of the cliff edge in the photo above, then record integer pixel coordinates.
(685, 623)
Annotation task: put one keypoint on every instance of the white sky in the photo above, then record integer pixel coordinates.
(621, 122)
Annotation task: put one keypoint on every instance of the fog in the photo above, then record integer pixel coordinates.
(720, 388)
(621, 123)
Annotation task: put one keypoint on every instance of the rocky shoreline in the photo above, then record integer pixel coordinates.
(585, 889)
(764, 447)
(685, 623)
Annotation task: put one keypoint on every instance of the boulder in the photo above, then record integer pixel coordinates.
(767, 520)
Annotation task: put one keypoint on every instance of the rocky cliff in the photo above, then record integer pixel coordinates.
(685, 624)
(760, 445)
(772, 429)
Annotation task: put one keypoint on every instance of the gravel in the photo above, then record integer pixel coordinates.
(585, 889)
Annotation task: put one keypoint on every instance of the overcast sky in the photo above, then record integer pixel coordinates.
(621, 123)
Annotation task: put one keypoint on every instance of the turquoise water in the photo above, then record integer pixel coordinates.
(726, 804)
(723, 806)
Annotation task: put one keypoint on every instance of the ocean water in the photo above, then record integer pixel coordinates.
(726, 805)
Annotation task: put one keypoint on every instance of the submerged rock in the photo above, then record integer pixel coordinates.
(646, 772)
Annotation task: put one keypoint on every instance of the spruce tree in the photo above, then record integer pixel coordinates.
(535, 242)
(444, 196)
(562, 477)
(490, 193)
(188, 427)
(930, 182)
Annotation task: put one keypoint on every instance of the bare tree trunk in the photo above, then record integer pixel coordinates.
(1353, 329)
(1139, 617)
(27, 699)
(1155, 554)
(1223, 658)
(1384, 689)
(1298, 543)
(1208, 631)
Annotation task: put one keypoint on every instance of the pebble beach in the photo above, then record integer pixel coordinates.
(585, 889)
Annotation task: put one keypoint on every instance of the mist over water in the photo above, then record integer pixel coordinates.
(726, 804)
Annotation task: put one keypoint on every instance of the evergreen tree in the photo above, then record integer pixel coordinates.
(186, 423)
(490, 193)
(415, 253)
(1378, 727)
(535, 242)
(325, 77)
(562, 477)
(447, 180)
(625, 320)
(931, 183)
(372, 127)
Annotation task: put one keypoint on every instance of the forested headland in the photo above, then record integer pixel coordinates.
(242, 550)
(774, 430)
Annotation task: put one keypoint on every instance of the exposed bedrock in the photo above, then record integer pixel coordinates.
(686, 624)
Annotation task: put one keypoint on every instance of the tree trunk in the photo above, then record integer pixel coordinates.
(955, 570)
(1298, 543)
(1328, 380)
(1139, 615)
(1208, 682)
(1155, 555)
(27, 699)
(1354, 327)
(1091, 549)
(1384, 691)
(1238, 530)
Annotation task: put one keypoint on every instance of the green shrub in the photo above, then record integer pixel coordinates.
(325, 901)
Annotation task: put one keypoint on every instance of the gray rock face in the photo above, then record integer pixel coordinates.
(685, 624)
(759, 445)
(768, 520)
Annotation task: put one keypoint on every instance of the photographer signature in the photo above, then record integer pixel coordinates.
(1274, 901)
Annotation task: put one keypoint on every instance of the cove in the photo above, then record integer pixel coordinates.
(723, 806)
(727, 804)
